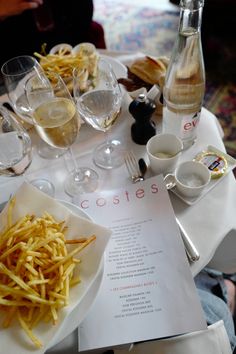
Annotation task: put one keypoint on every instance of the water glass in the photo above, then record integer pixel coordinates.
(98, 98)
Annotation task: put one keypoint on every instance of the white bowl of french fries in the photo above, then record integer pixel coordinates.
(63, 58)
(49, 260)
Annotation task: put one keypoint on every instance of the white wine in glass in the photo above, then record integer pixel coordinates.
(16, 72)
(57, 122)
(98, 100)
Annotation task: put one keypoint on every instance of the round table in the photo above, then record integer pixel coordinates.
(210, 223)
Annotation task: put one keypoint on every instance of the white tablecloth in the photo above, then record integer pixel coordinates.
(207, 223)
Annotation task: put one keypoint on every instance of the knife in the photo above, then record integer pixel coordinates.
(191, 251)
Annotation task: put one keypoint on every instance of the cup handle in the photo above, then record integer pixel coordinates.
(169, 181)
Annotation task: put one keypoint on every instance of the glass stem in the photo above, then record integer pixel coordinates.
(77, 176)
(76, 167)
(107, 140)
(109, 148)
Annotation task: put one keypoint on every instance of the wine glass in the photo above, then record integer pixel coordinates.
(16, 72)
(57, 122)
(98, 99)
(16, 150)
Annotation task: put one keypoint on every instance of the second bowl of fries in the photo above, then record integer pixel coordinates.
(62, 59)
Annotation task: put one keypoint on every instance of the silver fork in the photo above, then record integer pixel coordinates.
(133, 167)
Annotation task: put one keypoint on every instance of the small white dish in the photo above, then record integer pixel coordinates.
(61, 47)
(87, 47)
(211, 184)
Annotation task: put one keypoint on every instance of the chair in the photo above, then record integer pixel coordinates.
(213, 340)
(96, 35)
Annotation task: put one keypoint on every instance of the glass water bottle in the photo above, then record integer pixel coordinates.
(184, 86)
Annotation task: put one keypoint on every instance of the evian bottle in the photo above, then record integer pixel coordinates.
(184, 86)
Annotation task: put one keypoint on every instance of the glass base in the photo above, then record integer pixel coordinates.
(44, 186)
(84, 180)
(48, 152)
(109, 155)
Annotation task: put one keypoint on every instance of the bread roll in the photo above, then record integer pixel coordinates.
(164, 60)
(149, 69)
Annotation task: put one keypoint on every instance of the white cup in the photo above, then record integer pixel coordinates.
(163, 152)
(191, 178)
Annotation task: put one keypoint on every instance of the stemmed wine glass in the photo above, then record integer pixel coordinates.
(57, 122)
(16, 150)
(98, 99)
(16, 72)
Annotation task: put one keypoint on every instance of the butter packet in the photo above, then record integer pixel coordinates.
(219, 163)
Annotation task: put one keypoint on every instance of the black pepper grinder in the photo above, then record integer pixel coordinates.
(144, 128)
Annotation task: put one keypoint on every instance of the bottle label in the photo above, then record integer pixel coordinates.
(189, 124)
(181, 124)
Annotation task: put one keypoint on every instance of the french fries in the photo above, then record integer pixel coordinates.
(36, 270)
(63, 63)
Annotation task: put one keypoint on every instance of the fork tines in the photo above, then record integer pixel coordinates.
(132, 167)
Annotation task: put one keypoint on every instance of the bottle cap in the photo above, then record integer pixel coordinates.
(142, 107)
(142, 97)
(191, 4)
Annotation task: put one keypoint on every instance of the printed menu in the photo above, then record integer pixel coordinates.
(147, 290)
